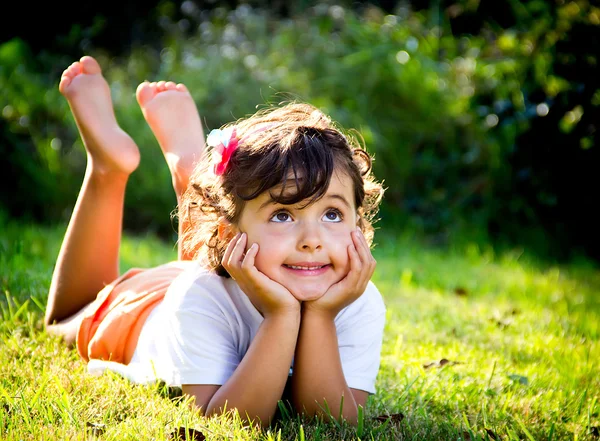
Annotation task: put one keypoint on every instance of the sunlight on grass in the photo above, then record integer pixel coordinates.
(521, 338)
(477, 344)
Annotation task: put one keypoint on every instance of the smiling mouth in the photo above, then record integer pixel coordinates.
(305, 268)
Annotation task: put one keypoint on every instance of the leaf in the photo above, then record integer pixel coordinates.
(491, 434)
(95, 428)
(394, 418)
(438, 364)
(460, 291)
(183, 433)
(520, 379)
(14, 52)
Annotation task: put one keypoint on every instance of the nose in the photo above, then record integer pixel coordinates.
(310, 237)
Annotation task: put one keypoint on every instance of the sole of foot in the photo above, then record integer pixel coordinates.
(109, 148)
(171, 113)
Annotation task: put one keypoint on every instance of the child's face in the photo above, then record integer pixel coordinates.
(291, 239)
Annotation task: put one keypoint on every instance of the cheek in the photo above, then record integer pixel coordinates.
(269, 255)
(338, 246)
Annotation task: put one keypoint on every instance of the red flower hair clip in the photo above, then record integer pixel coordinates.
(224, 143)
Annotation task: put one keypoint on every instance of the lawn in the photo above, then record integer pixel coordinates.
(478, 345)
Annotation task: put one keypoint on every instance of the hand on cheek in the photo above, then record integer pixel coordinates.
(268, 296)
(341, 294)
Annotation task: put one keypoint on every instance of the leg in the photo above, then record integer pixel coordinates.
(89, 255)
(173, 117)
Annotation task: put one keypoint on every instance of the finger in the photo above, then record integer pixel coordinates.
(236, 255)
(229, 249)
(361, 246)
(248, 262)
(249, 268)
(364, 240)
(368, 256)
(367, 268)
(355, 265)
(240, 249)
(364, 255)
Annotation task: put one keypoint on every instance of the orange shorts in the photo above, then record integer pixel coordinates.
(111, 325)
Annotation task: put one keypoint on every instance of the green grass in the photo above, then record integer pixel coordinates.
(520, 336)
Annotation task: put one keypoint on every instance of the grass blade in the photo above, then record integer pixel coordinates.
(361, 421)
(527, 432)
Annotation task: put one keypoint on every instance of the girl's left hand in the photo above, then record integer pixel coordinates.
(351, 287)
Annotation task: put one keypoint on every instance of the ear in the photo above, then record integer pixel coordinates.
(226, 230)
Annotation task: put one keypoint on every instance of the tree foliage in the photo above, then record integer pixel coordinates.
(478, 118)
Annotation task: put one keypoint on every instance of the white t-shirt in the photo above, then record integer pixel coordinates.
(205, 324)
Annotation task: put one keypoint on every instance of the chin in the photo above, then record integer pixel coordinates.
(308, 296)
(306, 291)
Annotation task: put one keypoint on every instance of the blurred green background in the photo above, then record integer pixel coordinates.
(482, 116)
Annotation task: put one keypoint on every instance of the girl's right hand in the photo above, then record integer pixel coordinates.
(268, 296)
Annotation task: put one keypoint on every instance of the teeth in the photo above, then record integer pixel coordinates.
(304, 267)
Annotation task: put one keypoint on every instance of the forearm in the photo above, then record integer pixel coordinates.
(258, 382)
(318, 375)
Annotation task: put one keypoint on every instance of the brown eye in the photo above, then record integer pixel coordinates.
(333, 216)
(282, 216)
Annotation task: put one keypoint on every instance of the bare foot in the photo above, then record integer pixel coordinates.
(109, 148)
(173, 117)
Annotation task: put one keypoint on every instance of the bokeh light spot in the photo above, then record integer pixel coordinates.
(491, 120)
(56, 144)
(542, 109)
(402, 57)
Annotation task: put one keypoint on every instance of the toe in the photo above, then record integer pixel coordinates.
(145, 92)
(89, 65)
(170, 85)
(64, 83)
(75, 68)
(71, 71)
(181, 88)
(160, 86)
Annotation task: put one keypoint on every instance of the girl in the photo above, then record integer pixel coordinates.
(271, 290)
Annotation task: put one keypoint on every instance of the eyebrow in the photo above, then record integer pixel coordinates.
(336, 196)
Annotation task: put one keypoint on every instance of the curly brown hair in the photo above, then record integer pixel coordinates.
(278, 144)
